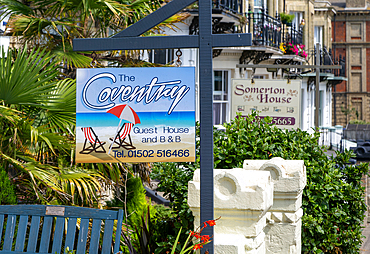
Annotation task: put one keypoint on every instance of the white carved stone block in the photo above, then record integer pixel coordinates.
(289, 177)
(238, 244)
(242, 199)
(236, 189)
(283, 231)
(259, 205)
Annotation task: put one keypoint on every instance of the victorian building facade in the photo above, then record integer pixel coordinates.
(351, 29)
(272, 40)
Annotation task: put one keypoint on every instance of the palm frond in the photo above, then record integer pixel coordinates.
(59, 113)
(27, 79)
(9, 114)
(69, 58)
(68, 184)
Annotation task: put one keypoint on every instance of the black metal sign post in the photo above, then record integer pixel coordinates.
(129, 39)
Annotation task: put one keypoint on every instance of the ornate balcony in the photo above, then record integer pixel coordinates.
(327, 58)
(265, 29)
(269, 31)
(234, 6)
(225, 16)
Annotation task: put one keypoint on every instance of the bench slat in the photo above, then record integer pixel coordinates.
(71, 232)
(107, 238)
(82, 236)
(95, 235)
(21, 233)
(1, 225)
(118, 232)
(34, 232)
(45, 235)
(9, 232)
(58, 235)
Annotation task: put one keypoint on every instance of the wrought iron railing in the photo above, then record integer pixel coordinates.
(235, 6)
(327, 58)
(292, 34)
(269, 31)
(265, 29)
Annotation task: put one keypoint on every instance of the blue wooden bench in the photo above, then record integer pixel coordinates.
(52, 229)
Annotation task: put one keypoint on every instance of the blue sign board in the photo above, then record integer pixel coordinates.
(135, 114)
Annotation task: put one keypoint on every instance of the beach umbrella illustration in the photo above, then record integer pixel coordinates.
(123, 112)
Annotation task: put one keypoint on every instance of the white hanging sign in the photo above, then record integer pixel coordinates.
(275, 98)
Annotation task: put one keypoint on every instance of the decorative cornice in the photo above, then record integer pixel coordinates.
(353, 12)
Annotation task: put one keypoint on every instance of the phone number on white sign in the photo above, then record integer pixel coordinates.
(282, 120)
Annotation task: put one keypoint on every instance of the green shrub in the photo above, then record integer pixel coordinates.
(286, 18)
(133, 201)
(7, 193)
(333, 200)
(174, 183)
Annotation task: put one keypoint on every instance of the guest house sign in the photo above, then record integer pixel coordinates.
(135, 115)
(275, 98)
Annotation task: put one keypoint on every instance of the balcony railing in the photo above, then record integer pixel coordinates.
(265, 29)
(327, 58)
(292, 35)
(269, 31)
(234, 6)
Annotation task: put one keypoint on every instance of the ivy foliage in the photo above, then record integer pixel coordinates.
(333, 200)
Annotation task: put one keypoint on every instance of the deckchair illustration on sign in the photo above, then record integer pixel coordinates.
(92, 142)
(123, 112)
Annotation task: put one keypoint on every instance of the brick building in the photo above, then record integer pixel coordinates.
(351, 40)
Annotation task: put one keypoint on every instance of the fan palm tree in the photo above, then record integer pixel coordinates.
(38, 109)
(37, 119)
(54, 24)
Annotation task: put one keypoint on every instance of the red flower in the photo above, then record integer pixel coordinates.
(205, 238)
(211, 222)
(205, 225)
(197, 246)
(195, 234)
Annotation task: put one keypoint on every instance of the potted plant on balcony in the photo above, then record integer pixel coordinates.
(286, 19)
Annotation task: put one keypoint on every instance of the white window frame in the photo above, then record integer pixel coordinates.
(319, 35)
(151, 55)
(298, 16)
(257, 8)
(218, 118)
